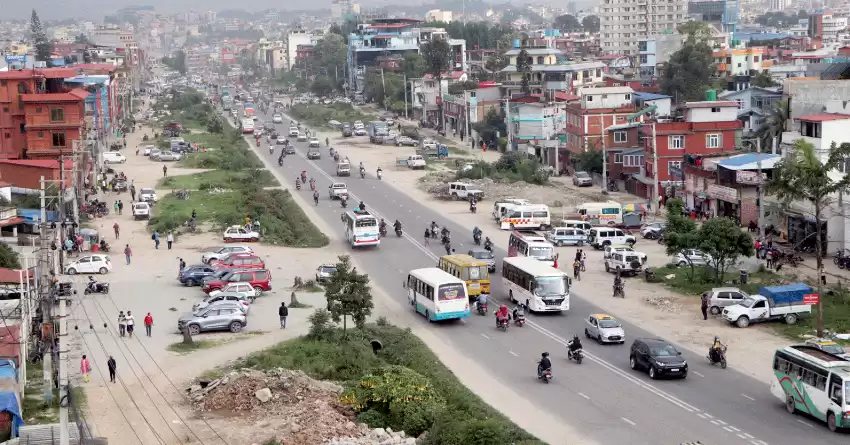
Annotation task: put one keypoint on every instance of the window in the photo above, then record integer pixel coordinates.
(620, 137)
(632, 160)
(57, 115)
(41, 134)
(38, 109)
(674, 165)
(715, 109)
(618, 158)
(712, 140)
(59, 139)
(676, 142)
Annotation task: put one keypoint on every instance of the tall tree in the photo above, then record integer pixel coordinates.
(688, 72)
(437, 55)
(329, 57)
(808, 177)
(723, 242)
(43, 47)
(348, 294)
(567, 23)
(413, 65)
(680, 232)
(774, 124)
(524, 69)
(590, 23)
(762, 80)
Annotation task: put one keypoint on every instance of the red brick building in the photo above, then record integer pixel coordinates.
(26, 173)
(53, 122)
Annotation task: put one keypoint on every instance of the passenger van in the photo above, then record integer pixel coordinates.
(529, 244)
(503, 205)
(113, 157)
(533, 216)
(474, 272)
(602, 213)
(566, 236)
(599, 237)
(576, 224)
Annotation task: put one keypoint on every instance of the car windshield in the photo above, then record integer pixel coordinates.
(551, 286)
(609, 324)
(541, 253)
(453, 291)
(146, 191)
(748, 302)
(663, 351)
(832, 348)
(847, 392)
(327, 270)
(482, 255)
(582, 175)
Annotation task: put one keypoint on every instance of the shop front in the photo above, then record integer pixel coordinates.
(726, 203)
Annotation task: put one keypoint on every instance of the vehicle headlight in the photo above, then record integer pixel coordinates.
(659, 363)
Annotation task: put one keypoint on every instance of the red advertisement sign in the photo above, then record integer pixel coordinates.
(811, 298)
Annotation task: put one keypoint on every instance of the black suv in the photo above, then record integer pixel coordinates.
(658, 357)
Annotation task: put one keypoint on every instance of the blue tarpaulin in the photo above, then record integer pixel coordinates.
(9, 402)
(8, 369)
(33, 215)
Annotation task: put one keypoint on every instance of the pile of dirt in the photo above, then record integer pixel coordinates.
(285, 405)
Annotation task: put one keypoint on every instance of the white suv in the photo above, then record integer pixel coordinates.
(627, 263)
(141, 210)
(462, 190)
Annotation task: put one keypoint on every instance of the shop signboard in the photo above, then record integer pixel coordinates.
(745, 177)
(722, 193)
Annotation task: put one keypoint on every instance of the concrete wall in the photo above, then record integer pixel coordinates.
(809, 97)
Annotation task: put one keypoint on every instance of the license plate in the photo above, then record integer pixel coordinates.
(474, 286)
(674, 370)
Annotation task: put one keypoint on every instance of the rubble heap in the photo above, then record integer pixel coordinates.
(287, 405)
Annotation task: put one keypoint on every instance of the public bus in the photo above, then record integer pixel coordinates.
(603, 213)
(538, 286)
(814, 382)
(247, 126)
(436, 294)
(361, 228)
(530, 244)
(532, 216)
(475, 273)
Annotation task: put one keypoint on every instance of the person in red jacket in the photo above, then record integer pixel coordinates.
(148, 324)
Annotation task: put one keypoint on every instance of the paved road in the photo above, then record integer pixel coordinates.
(615, 403)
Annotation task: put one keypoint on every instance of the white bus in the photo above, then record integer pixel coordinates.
(602, 213)
(361, 228)
(247, 126)
(540, 287)
(813, 382)
(436, 294)
(524, 243)
(533, 216)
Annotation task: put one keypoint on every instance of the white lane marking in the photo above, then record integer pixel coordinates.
(513, 353)
(709, 415)
(805, 423)
(758, 442)
(746, 436)
(728, 428)
(585, 396)
(748, 397)
(698, 374)
(732, 429)
(718, 422)
(485, 336)
(703, 416)
(628, 421)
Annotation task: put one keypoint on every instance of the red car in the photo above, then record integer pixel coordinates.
(259, 278)
(239, 261)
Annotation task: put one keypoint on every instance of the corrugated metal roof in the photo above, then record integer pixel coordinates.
(824, 117)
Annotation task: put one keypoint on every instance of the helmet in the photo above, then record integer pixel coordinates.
(545, 354)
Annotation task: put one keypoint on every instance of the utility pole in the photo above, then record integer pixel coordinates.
(406, 115)
(44, 295)
(655, 169)
(384, 88)
(605, 157)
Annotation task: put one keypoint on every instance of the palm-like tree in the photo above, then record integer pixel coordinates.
(774, 123)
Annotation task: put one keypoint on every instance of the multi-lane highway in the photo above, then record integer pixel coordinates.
(602, 397)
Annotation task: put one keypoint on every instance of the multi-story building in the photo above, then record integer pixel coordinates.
(40, 116)
(723, 14)
(740, 62)
(534, 126)
(295, 38)
(437, 15)
(588, 118)
(464, 109)
(624, 22)
(656, 50)
(548, 73)
(754, 104)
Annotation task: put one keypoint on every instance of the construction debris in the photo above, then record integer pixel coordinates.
(664, 303)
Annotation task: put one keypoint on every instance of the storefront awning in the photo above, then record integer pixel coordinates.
(643, 179)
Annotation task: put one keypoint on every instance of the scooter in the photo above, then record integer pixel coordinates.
(502, 324)
(258, 142)
(546, 375)
(476, 239)
(722, 360)
(619, 291)
(473, 208)
(578, 355)
(298, 185)
(96, 288)
(383, 231)
(343, 203)
(362, 173)
(482, 309)
(280, 162)
(380, 174)
(519, 320)
(271, 149)
(398, 232)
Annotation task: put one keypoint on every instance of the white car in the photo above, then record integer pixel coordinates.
(604, 329)
(302, 137)
(653, 230)
(238, 233)
(360, 132)
(691, 256)
(277, 118)
(113, 157)
(611, 248)
(293, 132)
(337, 190)
(223, 251)
(90, 264)
(146, 150)
(211, 300)
(141, 210)
(406, 141)
(147, 195)
(240, 287)
(314, 143)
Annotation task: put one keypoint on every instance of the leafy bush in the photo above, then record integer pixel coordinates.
(8, 258)
(319, 115)
(372, 418)
(449, 430)
(511, 166)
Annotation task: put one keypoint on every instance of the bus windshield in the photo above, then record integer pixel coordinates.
(449, 292)
(550, 286)
(475, 273)
(366, 222)
(541, 253)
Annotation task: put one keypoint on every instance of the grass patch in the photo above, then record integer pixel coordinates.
(319, 115)
(35, 411)
(220, 179)
(330, 354)
(836, 317)
(703, 279)
(228, 151)
(282, 221)
(185, 348)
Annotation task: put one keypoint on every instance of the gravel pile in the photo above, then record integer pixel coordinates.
(378, 436)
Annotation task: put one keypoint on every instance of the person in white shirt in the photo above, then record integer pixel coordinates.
(169, 239)
(131, 322)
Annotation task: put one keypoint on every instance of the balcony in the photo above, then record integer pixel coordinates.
(517, 83)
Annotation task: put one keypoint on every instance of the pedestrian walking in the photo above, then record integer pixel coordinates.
(116, 206)
(164, 171)
(182, 264)
(113, 367)
(122, 323)
(115, 228)
(85, 369)
(155, 238)
(283, 312)
(133, 193)
(120, 207)
(704, 306)
(169, 239)
(577, 270)
(583, 260)
(131, 323)
(148, 324)
(128, 253)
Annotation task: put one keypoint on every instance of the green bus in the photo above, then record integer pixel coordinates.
(815, 382)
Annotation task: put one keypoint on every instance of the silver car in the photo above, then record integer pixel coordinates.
(324, 272)
(221, 298)
(226, 316)
(485, 256)
(604, 329)
(582, 179)
(169, 156)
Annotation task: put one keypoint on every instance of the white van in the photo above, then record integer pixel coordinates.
(113, 157)
(502, 205)
(576, 224)
(599, 237)
(534, 216)
(609, 212)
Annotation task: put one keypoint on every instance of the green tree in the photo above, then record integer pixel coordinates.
(679, 233)
(413, 65)
(302, 85)
(348, 294)
(773, 125)
(329, 58)
(590, 23)
(8, 258)
(491, 127)
(723, 242)
(524, 69)
(589, 161)
(762, 80)
(322, 86)
(688, 72)
(567, 23)
(177, 61)
(437, 55)
(806, 176)
(43, 46)
(82, 39)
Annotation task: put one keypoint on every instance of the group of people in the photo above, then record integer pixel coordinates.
(127, 324)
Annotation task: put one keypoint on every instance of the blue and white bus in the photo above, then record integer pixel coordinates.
(437, 294)
(361, 228)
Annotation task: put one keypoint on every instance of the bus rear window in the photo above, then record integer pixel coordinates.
(366, 222)
(451, 292)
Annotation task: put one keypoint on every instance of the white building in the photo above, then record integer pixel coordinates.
(624, 22)
(605, 97)
(832, 27)
(295, 38)
(437, 15)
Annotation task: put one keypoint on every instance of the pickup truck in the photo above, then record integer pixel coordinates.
(771, 303)
(337, 190)
(415, 162)
(343, 169)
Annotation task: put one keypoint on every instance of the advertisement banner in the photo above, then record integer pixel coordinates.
(722, 193)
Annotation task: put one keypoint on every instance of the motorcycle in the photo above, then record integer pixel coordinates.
(473, 208)
(519, 320)
(649, 275)
(383, 231)
(545, 375)
(362, 173)
(316, 199)
(844, 262)
(482, 309)
(578, 355)
(331, 152)
(313, 186)
(298, 185)
(503, 324)
(303, 177)
(280, 162)
(476, 238)
(619, 290)
(488, 246)
(446, 239)
(96, 288)
(336, 157)
(343, 203)
(716, 360)
(271, 149)
(380, 174)
(258, 142)
(613, 186)
(398, 232)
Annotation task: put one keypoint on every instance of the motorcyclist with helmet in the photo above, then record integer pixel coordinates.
(519, 311)
(488, 245)
(502, 315)
(545, 364)
(382, 228)
(481, 302)
(397, 226)
(297, 183)
(574, 345)
(316, 196)
(715, 353)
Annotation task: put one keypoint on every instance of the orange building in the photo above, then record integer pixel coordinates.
(39, 114)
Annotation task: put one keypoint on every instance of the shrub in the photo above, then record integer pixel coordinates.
(511, 166)
(372, 418)
(319, 115)
(320, 324)
(451, 430)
